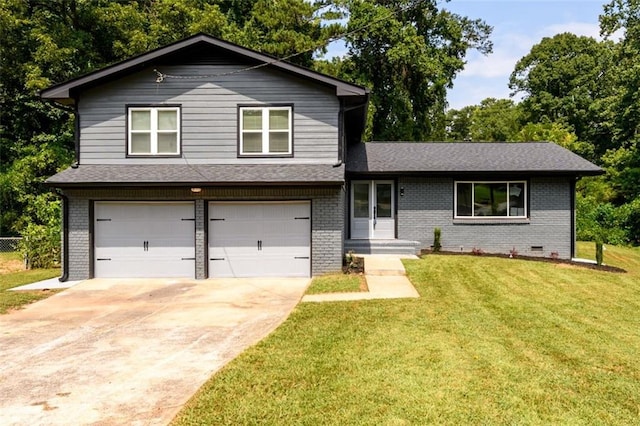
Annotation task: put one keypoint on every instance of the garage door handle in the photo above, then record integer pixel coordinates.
(302, 218)
(301, 257)
(188, 258)
(103, 220)
(215, 219)
(217, 258)
(103, 258)
(259, 244)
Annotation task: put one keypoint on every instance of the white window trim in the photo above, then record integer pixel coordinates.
(473, 195)
(265, 131)
(153, 131)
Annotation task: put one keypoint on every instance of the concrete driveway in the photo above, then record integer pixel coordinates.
(130, 351)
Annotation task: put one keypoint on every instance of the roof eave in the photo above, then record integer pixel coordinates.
(63, 185)
(537, 173)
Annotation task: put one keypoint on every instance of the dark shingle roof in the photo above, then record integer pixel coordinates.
(534, 158)
(184, 175)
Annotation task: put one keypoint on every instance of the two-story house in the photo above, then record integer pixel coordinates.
(206, 159)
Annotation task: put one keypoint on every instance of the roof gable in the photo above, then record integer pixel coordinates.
(64, 92)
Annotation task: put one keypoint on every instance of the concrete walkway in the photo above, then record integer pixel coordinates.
(50, 284)
(386, 279)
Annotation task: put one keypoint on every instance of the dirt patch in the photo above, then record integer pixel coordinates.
(559, 262)
(363, 283)
(8, 266)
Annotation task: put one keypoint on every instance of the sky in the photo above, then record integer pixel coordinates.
(517, 26)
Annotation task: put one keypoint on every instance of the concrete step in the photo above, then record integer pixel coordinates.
(396, 247)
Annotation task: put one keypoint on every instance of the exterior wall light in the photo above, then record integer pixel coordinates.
(196, 190)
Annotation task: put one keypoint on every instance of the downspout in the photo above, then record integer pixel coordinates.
(65, 236)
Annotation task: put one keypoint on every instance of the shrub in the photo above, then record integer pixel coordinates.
(40, 246)
(436, 240)
(599, 253)
(601, 221)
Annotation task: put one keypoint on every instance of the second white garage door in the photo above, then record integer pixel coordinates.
(260, 239)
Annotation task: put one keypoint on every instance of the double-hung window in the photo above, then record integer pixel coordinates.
(491, 199)
(153, 130)
(265, 131)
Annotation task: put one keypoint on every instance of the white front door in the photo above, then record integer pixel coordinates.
(144, 240)
(256, 239)
(372, 210)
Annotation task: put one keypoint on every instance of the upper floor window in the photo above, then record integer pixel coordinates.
(265, 131)
(491, 199)
(153, 130)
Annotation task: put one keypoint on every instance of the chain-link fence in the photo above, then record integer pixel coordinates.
(9, 244)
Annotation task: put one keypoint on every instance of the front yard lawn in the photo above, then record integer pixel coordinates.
(337, 283)
(490, 341)
(11, 276)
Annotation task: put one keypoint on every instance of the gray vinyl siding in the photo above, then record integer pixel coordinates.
(327, 223)
(209, 114)
(428, 203)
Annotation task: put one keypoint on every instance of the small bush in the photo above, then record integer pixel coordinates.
(602, 221)
(40, 246)
(477, 251)
(437, 232)
(599, 253)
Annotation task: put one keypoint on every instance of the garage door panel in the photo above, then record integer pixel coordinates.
(154, 239)
(130, 267)
(273, 265)
(259, 239)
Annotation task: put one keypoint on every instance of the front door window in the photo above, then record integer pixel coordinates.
(372, 210)
(361, 200)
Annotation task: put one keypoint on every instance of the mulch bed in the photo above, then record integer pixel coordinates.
(605, 268)
(356, 266)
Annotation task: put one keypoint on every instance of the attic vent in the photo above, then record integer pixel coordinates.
(537, 248)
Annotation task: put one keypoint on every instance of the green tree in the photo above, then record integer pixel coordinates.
(568, 79)
(458, 123)
(624, 164)
(495, 120)
(408, 53)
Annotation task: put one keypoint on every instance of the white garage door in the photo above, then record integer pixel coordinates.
(145, 240)
(260, 239)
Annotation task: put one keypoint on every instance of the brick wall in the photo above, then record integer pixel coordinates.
(428, 203)
(327, 222)
(78, 239)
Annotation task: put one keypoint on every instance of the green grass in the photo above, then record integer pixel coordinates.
(9, 255)
(10, 300)
(337, 283)
(491, 341)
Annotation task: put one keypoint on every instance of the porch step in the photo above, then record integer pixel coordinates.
(382, 246)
